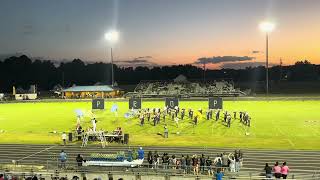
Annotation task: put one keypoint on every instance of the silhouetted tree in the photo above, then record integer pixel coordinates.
(22, 72)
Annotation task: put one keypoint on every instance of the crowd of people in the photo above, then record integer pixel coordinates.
(277, 170)
(197, 165)
(41, 177)
(175, 115)
(21, 177)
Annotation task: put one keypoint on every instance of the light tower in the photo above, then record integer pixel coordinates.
(112, 37)
(267, 27)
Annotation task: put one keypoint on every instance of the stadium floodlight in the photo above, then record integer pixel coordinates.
(267, 27)
(112, 37)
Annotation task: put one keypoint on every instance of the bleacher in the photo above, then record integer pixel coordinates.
(42, 159)
(185, 89)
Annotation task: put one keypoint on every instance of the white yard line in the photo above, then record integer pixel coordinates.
(46, 149)
(291, 143)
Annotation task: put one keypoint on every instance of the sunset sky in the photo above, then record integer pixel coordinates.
(162, 31)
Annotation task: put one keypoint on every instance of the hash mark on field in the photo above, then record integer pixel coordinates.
(277, 128)
(291, 143)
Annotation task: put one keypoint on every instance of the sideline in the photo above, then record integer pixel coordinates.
(46, 149)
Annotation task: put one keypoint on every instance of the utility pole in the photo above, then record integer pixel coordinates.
(267, 64)
(280, 69)
(204, 72)
(112, 73)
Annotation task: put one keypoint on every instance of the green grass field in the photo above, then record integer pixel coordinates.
(275, 124)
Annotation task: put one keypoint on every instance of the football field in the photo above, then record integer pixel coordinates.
(274, 124)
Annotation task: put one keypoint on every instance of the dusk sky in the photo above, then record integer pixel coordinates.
(162, 31)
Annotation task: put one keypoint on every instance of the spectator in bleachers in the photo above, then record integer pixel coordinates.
(150, 159)
(284, 170)
(188, 164)
(170, 162)
(173, 161)
(79, 160)
(218, 156)
(224, 159)
(156, 159)
(219, 175)
(277, 170)
(202, 163)
(237, 158)
(178, 163)
(195, 164)
(75, 178)
(134, 154)
(63, 159)
(140, 153)
(165, 161)
(183, 164)
(232, 161)
(209, 166)
(268, 170)
(217, 162)
(240, 154)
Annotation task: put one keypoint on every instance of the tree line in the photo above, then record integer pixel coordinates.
(22, 72)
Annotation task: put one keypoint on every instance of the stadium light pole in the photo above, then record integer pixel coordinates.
(112, 37)
(267, 27)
